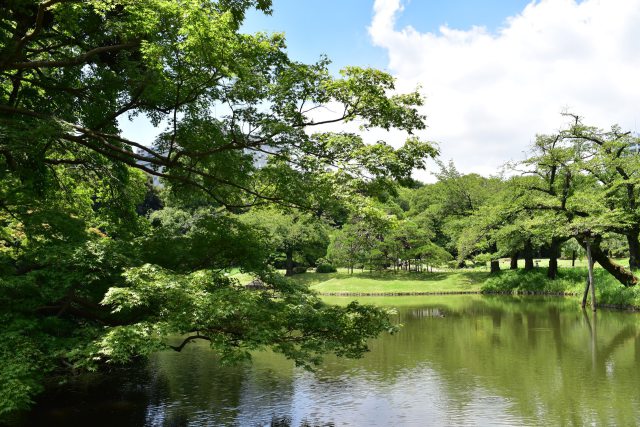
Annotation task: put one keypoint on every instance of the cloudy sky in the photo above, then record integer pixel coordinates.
(494, 72)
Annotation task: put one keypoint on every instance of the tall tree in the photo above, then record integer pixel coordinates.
(579, 204)
(88, 282)
(610, 158)
(355, 241)
(290, 234)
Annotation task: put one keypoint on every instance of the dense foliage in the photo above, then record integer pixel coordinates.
(97, 265)
(577, 188)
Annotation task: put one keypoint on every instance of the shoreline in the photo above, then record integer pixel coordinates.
(617, 307)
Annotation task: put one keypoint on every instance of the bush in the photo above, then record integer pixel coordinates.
(536, 281)
(299, 270)
(325, 268)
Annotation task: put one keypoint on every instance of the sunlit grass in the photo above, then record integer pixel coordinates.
(393, 282)
(570, 280)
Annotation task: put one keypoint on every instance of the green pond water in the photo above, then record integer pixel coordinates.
(458, 360)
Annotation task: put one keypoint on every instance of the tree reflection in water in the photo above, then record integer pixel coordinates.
(457, 360)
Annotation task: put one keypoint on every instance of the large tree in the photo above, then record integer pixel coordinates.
(290, 234)
(612, 159)
(561, 188)
(234, 107)
(85, 281)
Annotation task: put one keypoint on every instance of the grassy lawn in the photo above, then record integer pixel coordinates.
(570, 280)
(243, 278)
(390, 282)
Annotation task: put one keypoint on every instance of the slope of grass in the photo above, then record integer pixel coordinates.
(393, 282)
(570, 281)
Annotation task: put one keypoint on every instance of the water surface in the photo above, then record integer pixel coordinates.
(458, 360)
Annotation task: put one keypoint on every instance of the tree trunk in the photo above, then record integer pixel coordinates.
(586, 293)
(624, 276)
(528, 256)
(514, 262)
(552, 272)
(593, 285)
(528, 263)
(554, 253)
(634, 249)
(573, 258)
(289, 262)
(495, 265)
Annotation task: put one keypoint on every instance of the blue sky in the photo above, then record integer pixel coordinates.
(335, 28)
(494, 73)
(339, 28)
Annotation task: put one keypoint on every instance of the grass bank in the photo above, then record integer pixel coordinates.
(609, 292)
(394, 283)
(570, 281)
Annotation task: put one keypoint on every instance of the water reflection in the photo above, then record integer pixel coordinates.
(457, 360)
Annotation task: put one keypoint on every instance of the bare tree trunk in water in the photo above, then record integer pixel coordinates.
(593, 285)
(588, 285)
(586, 293)
(624, 276)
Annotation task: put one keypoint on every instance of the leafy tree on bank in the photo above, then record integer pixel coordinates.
(86, 282)
(579, 202)
(611, 158)
(291, 234)
(353, 244)
(444, 207)
(563, 201)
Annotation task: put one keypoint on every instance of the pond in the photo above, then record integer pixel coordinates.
(458, 360)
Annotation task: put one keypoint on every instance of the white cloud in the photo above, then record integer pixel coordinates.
(488, 94)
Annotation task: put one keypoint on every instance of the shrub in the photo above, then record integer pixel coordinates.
(325, 268)
(536, 281)
(299, 270)
(452, 264)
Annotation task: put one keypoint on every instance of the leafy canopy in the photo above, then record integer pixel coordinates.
(86, 281)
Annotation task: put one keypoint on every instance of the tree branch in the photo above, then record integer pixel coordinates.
(187, 340)
(78, 60)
